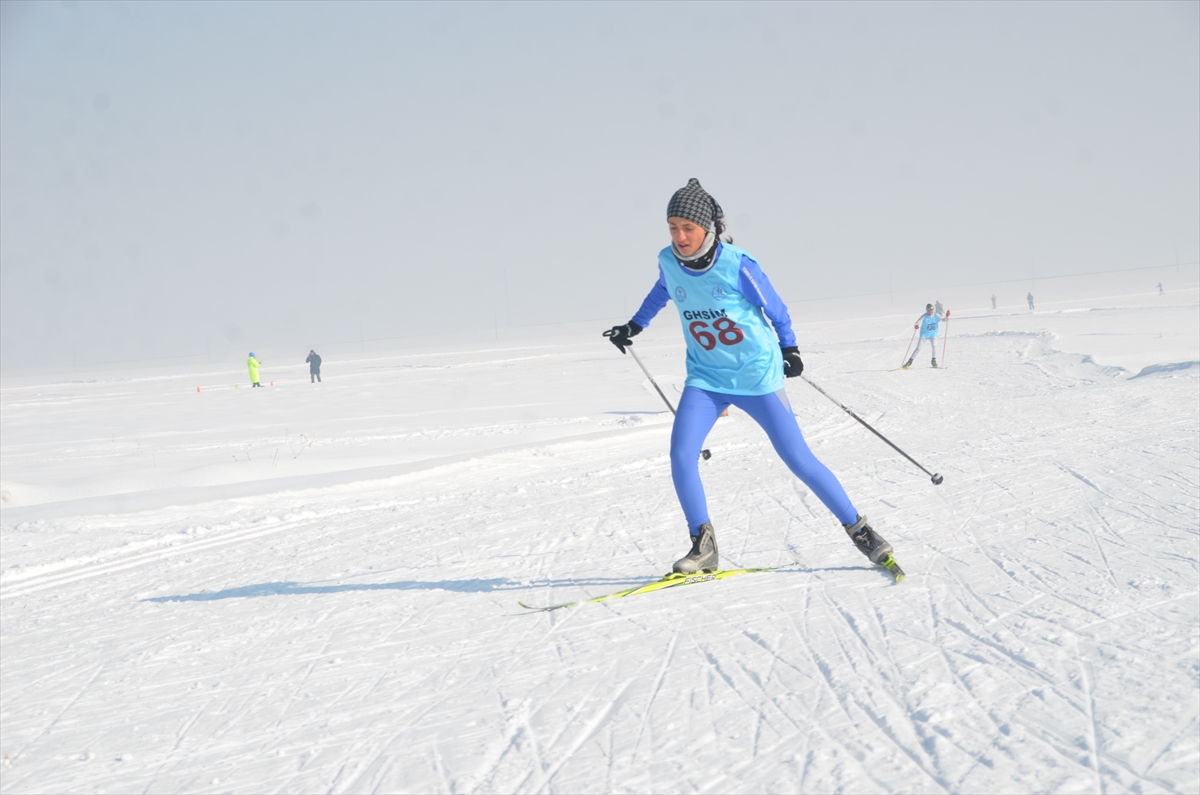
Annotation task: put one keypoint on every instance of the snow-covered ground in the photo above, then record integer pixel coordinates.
(311, 588)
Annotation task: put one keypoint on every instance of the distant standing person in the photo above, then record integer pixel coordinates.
(928, 324)
(314, 367)
(252, 364)
(1160, 288)
(993, 300)
(1029, 298)
(937, 307)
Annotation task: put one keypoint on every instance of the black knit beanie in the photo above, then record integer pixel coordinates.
(693, 203)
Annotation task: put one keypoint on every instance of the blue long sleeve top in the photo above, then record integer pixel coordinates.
(752, 283)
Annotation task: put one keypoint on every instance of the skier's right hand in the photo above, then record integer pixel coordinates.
(792, 365)
(620, 335)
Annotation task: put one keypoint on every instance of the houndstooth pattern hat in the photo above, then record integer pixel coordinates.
(693, 203)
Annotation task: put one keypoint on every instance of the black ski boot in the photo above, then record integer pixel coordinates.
(933, 362)
(703, 556)
(907, 365)
(868, 541)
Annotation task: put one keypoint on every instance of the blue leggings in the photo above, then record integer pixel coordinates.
(698, 412)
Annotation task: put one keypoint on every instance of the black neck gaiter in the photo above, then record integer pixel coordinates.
(702, 261)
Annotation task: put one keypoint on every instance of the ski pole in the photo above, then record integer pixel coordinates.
(910, 342)
(638, 359)
(936, 478)
(705, 454)
(946, 338)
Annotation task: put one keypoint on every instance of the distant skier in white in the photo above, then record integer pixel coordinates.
(1160, 290)
(928, 323)
(993, 300)
(1029, 298)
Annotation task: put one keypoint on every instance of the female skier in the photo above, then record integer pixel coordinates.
(733, 357)
(928, 324)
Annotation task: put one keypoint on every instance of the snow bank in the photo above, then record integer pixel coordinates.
(1165, 368)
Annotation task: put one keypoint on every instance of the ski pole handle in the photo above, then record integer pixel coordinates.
(933, 476)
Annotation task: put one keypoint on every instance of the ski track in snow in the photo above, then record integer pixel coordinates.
(365, 636)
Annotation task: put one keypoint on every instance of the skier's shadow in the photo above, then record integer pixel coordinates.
(461, 586)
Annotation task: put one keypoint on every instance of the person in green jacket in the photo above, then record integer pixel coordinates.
(253, 363)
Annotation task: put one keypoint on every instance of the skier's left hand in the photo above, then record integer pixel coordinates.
(792, 366)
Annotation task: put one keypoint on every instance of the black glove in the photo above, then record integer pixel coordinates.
(792, 366)
(620, 335)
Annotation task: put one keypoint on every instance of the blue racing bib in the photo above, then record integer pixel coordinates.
(731, 347)
(929, 325)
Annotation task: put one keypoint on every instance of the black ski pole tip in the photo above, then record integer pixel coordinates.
(937, 479)
(707, 454)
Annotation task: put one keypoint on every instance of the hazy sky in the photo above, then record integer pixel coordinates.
(248, 175)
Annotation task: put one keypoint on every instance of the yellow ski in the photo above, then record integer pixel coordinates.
(675, 580)
(669, 581)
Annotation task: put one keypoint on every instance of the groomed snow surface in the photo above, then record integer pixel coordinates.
(313, 588)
